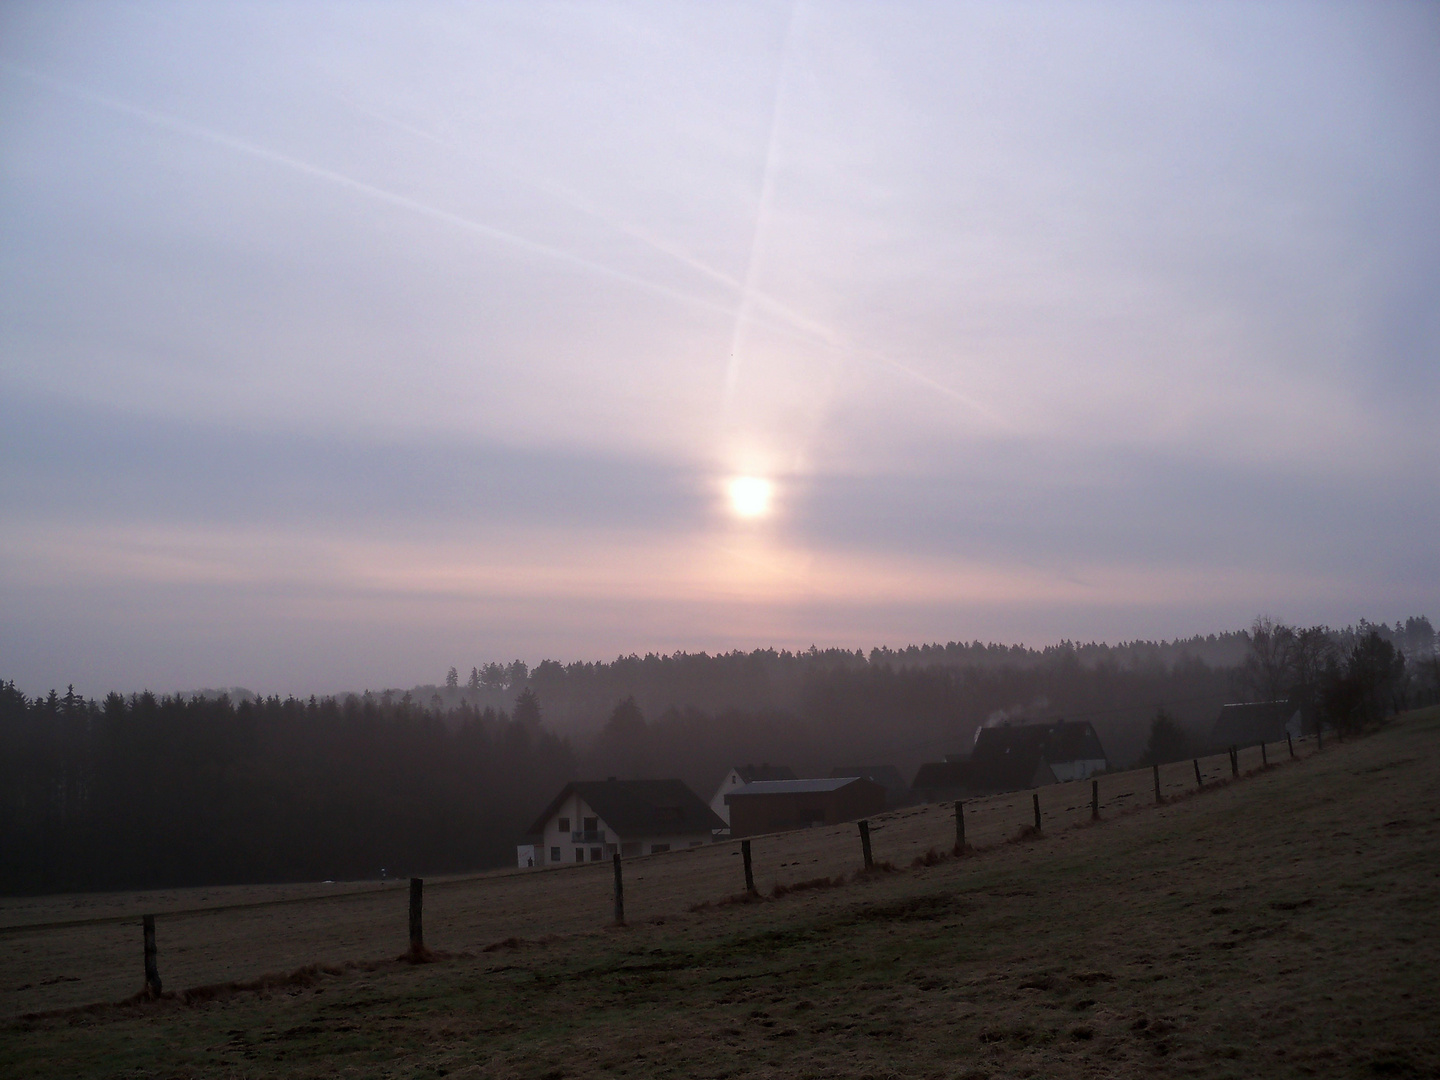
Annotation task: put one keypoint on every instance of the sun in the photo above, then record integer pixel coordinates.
(750, 496)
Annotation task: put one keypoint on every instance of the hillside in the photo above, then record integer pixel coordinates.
(1286, 924)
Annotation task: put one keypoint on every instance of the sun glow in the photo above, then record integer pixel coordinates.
(750, 496)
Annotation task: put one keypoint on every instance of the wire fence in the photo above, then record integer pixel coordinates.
(66, 952)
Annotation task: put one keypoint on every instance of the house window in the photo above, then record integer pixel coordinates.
(595, 854)
(630, 849)
(564, 824)
(554, 854)
(579, 854)
(592, 824)
(656, 849)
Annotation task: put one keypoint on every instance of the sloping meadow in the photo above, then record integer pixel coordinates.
(1285, 925)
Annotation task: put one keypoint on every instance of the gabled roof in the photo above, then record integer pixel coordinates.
(887, 776)
(750, 773)
(639, 807)
(1008, 758)
(1248, 723)
(793, 787)
(1074, 740)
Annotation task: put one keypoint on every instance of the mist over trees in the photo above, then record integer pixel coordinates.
(578, 697)
(207, 788)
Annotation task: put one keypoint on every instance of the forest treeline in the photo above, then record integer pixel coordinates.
(579, 695)
(140, 792)
(146, 791)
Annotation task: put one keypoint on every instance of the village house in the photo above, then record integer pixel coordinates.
(897, 793)
(740, 775)
(1251, 723)
(1013, 757)
(593, 820)
(777, 805)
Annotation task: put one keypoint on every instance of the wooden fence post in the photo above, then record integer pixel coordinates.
(152, 969)
(1199, 783)
(749, 871)
(619, 894)
(417, 930)
(1264, 757)
(1035, 797)
(1094, 800)
(1290, 743)
(1319, 737)
(865, 845)
(960, 827)
(1156, 767)
(1235, 762)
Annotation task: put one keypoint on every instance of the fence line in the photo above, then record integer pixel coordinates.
(678, 880)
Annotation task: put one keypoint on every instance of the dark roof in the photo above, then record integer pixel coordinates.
(935, 775)
(751, 773)
(639, 807)
(887, 776)
(1073, 741)
(1248, 723)
(1007, 758)
(792, 787)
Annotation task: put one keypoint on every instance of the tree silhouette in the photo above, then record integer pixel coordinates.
(1168, 741)
(527, 709)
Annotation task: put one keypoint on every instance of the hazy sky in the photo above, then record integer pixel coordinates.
(341, 343)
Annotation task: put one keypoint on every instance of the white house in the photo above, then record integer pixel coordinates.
(739, 776)
(593, 820)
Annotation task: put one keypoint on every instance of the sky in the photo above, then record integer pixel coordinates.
(341, 343)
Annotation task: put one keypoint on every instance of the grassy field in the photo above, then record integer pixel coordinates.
(1288, 924)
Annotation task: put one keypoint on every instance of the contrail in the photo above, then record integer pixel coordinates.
(799, 326)
(757, 236)
(566, 195)
(230, 142)
(750, 297)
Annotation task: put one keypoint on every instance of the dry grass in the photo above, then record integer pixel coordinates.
(1286, 925)
(57, 952)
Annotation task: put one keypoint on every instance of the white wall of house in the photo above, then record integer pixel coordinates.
(559, 843)
(1065, 771)
(718, 804)
(598, 842)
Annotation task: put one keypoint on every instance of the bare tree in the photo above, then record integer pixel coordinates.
(1367, 687)
(1266, 670)
(1310, 650)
